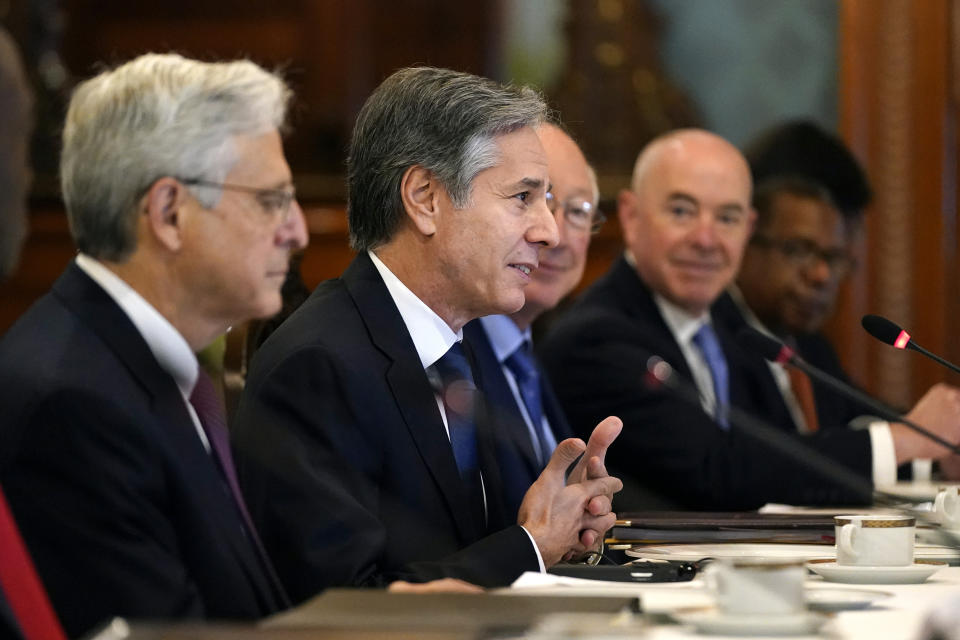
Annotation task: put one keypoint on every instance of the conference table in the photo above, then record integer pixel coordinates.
(898, 615)
(550, 607)
(843, 610)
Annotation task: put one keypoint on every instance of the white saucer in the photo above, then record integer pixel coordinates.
(910, 574)
(696, 552)
(781, 624)
(827, 599)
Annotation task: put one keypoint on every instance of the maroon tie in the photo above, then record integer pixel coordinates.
(206, 402)
(21, 586)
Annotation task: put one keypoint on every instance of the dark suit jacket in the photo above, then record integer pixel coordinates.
(833, 409)
(675, 454)
(344, 459)
(121, 507)
(516, 455)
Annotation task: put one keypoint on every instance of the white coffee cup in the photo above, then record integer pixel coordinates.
(875, 540)
(946, 508)
(757, 585)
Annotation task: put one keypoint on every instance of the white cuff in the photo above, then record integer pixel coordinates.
(884, 455)
(543, 569)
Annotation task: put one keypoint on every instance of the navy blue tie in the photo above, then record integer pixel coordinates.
(525, 371)
(453, 382)
(706, 340)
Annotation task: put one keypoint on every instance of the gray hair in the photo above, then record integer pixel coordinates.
(444, 121)
(155, 116)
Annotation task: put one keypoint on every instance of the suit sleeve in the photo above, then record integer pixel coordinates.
(87, 490)
(315, 464)
(672, 449)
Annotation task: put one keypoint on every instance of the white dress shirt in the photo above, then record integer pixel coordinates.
(684, 326)
(432, 338)
(171, 350)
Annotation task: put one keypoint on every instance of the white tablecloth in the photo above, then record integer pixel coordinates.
(899, 616)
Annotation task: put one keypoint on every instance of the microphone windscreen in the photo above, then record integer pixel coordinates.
(881, 329)
(760, 343)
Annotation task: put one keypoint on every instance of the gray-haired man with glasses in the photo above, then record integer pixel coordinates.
(529, 419)
(115, 457)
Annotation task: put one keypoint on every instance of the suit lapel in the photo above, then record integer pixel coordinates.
(753, 387)
(414, 398)
(637, 301)
(509, 423)
(168, 409)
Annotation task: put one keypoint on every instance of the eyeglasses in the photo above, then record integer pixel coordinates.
(581, 214)
(805, 253)
(275, 202)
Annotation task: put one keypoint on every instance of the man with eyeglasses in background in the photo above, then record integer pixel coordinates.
(686, 221)
(114, 456)
(810, 201)
(529, 421)
(787, 285)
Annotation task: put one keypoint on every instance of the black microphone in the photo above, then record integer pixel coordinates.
(890, 333)
(776, 351)
(660, 374)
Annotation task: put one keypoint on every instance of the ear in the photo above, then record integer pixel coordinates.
(627, 213)
(751, 221)
(420, 193)
(162, 206)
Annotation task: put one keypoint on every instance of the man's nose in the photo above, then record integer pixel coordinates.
(704, 233)
(544, 229)
(818, 270)
(293, 231)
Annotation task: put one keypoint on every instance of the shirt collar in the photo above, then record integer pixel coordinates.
(432, 337)
(681, 323)
(505, 336)
(171, 350)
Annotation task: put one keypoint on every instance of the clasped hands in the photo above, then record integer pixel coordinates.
(568, 515)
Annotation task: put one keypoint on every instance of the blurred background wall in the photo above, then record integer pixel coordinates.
(883, 73)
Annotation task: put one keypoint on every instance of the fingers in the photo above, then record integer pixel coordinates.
(600, 440)
(563, 456)
(599, 505)
(599, 524)
(588, 537)
(445, 585)
(596, 468)
(603, 436)
(604, 486)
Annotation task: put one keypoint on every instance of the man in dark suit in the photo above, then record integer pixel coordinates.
(787, 286)
(686, 221)
(366, 455)
(810, 201)
(529, 421)
(114, 457)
